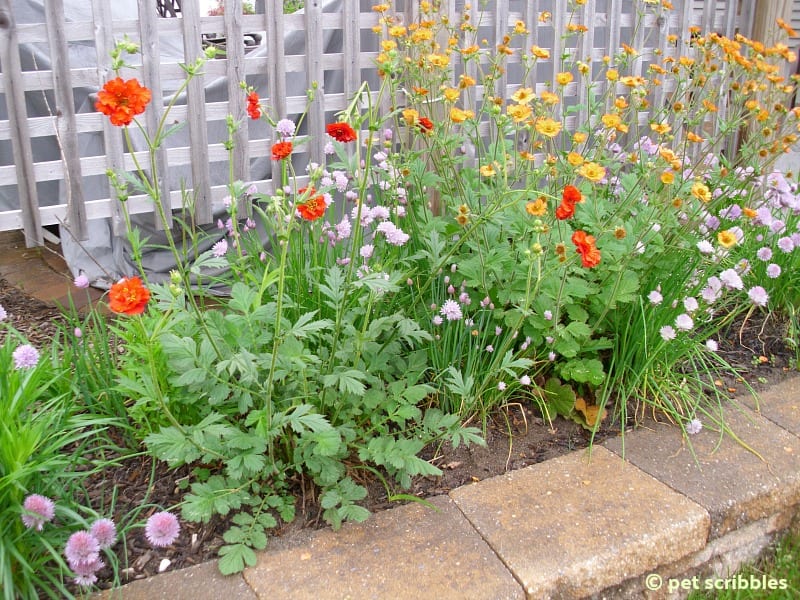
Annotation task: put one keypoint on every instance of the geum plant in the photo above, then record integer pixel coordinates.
(310, 371)
(603, 259)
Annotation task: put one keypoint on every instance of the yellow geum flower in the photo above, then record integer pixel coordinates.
(548, 127)
(579, 137)
(611, 120)
(701, 192)
(612, 74)
(727, 239)
(397, 31)
(422, 35)
(537, 208)
(621, 103)
(488, 171)
(523, 95)
(667, 177)
(520, 28)
(439, 60)
(388, 45)
(564, 78)
(411, 116)
(466, 81)
(693, 137)
(592, 171)
(458, 115)
(519, 112)
(451, 94)
(632, 81)
(551, 98)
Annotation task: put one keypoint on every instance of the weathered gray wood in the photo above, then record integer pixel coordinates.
(65, 119)
(112, 136)
(196, 102)
(315, 79)
(276, 64)
(586, 48)
(20, 137)
(351, 36)
(236, 74)
(148, 32)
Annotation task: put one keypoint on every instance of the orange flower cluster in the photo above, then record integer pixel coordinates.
(281, 150)
(253, 106)
(122, 100)
(313, 208)
(585, 245)
(128, 296)
(341, 132)
(569, 198)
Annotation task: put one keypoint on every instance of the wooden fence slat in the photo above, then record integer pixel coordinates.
(276, 63)
(586, 46)
(65, 119)
(235, 73)
(20, 137)
(148, 30)
(196, 105)
(112, 136)
(315, 77)
(351, 50)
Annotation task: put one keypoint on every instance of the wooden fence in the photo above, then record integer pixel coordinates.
(330, 44)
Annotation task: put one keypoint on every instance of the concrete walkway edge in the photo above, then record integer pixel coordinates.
(651, 523)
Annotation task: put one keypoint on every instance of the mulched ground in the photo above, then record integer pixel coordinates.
(516, 437)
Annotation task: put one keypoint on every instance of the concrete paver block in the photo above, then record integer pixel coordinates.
(736, 485)
(201, 582)
(575, 525)
(411, 551)
(780, 404)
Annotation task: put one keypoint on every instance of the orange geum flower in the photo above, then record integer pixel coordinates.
(314, 207)
(592, 171)
(786, 27)
(381, 8)
(281, 150)
(470, 50)
(465, 81)
(621, 103)
(630, 50)
(694, 138)
(523, 95)
(667, 177)
(585, 245)
(545, 16)
(122, 100)
(540, 52)
(574, 27)
(128, 296)
(660, 128)
(520, 28)
(458, 115)
(537, 208)
(632, 81)
(575, 159)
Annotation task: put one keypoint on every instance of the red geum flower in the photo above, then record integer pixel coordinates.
(569, 198)
(341, 132)
(585, 245)
(128, 296)
(253, 106)
(122, 100)
(425, 124)
(281, 150)
(313, 208)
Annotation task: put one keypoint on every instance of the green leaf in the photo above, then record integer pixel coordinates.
(560, 398)
(347, 381)
(585, 370)
(304, 327)
(234, 557)
(243, 298)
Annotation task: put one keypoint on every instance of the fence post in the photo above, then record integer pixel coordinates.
(20, 134)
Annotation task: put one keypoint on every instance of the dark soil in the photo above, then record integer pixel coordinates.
(516, 437)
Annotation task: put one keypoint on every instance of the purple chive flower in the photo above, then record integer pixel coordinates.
(548, 315)
(43, 509)
(786, 244)
(655, 297)
(366, 251)
(773, 270)
(731, 280)
(705, 247)
(667, 333)
(764, 253)
(501, 386)
(285, 127)
(86, 572)
(690, 304)
(684, 322)
(712, 345)
(81, 281)
(3, 313)
(525, 380)
(551, 356)
(451, 310)
(437, 320)
(489, 348)
(105, 532)
(498, 330)
(758, 295)
(82, 549)
(694, 426)
(25, 357)
(220, 248)
(162, 529)
(78, 332)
